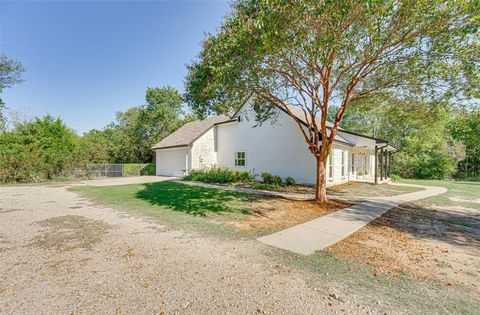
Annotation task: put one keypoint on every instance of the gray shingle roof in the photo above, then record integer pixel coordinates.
(189, 132)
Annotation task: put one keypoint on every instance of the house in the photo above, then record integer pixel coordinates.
(277, 146)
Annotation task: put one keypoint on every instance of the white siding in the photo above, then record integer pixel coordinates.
(202, 151)
(276, 146)
(171, 162)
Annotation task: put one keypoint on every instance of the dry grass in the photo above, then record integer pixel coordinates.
(70, 232)
(273, 214)
(427, 243)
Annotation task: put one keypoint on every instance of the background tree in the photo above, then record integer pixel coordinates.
(420, 130)
(37, 150)
(137, 129)
(314, 54)
(466, 128)
(10, 71)
(94, 147)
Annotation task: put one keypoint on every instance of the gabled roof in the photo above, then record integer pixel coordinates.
(300, 114)
(190, 132)
(343, 136)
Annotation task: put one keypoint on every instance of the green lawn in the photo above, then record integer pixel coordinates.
(465, 194)
(174, 204)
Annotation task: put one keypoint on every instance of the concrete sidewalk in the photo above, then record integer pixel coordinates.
(320, 233)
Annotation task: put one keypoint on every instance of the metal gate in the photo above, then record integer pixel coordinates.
(104, 170)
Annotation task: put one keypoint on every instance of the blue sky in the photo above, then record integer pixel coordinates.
(87, 60)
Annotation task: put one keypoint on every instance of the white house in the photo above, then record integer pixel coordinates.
(276, 146)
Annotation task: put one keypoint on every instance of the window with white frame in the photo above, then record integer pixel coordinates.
(240, 158)
(343, 163)
(330, 164)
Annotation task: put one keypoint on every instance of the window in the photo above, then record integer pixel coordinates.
(343, 163)
(353, 163)
(240, 158)
(330, 164)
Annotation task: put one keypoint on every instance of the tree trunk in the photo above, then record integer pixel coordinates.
(321, 182)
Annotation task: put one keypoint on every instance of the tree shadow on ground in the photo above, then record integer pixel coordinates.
(192, 199)
(456, 227)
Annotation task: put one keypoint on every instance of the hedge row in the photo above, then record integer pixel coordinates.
(219, 175)
(138, 169)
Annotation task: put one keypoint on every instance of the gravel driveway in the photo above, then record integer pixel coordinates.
(61, 254)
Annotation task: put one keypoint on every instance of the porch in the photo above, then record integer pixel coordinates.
(371, 164)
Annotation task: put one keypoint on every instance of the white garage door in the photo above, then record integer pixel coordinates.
(171, 162)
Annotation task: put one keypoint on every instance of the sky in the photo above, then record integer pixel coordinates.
(87, 60)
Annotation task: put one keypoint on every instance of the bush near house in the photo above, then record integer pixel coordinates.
(267, 178)
(219, 175)
(276, 180)
(290, 181)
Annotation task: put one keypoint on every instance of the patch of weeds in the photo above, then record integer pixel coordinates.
(70, 232)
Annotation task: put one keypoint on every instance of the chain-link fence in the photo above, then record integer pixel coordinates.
(104, 170)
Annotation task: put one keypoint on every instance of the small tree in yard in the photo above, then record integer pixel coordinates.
(312, 54)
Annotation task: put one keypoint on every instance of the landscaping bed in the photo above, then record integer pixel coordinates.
(269, 182)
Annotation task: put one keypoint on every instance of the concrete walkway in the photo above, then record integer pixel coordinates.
(327, 230)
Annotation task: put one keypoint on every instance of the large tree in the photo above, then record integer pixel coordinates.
(313, 54)
(137, 129)
(10, 71)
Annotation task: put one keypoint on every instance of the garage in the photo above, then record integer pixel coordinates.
(171, 162)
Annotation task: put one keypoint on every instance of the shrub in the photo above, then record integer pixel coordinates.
(395, 177)
(219, 175)
(138, 169)
(290, 181)
(267, 178)
(213, 175)
(276, 180)
(42, 149)
(244, 176)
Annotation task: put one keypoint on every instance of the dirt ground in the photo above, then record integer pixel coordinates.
(355, 189)
(273, 214)
(59, 253)
(433, 243)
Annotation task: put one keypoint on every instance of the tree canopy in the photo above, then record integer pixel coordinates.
(317, 54)
(10, 71)
(45, 147)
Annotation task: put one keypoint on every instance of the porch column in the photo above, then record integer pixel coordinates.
(389, 163)
(386, 164)
(376, 164)
(381, 164)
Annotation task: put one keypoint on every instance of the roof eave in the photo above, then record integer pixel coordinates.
(170, 147)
